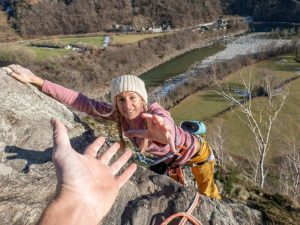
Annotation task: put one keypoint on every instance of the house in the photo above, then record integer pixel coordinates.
(123, 28)
(156, 29)
(166, 27)
(204, 27)
(222, 23)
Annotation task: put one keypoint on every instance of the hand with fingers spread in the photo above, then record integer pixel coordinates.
(156, 130)
(24, 75)
(87, 186)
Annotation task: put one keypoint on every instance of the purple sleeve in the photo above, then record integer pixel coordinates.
(77, 100)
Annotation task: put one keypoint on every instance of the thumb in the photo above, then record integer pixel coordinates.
(61, 140)
(172, 145)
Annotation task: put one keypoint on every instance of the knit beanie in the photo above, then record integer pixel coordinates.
(128, 83)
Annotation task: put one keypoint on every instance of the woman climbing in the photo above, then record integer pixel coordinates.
(150, 128)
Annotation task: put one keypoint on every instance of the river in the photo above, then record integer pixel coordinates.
(240, 46)
(178, 65)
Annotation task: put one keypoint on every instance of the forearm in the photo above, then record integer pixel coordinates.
(65, 211)
(77, 100)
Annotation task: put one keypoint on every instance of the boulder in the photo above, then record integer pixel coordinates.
(27, 175)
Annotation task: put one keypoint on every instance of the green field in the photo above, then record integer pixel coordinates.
(199, 106)
(20, 53)
(206, 104)
(22, 50)
(97, 40)
(86, 41)
(45, 53)
(132, 38)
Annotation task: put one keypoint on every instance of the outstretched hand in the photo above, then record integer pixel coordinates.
(156, 130)
(87, 180)
(23, 75)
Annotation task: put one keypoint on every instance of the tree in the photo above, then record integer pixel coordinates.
(298, 53)
(259, 118)
(216, 140)
(290, 170)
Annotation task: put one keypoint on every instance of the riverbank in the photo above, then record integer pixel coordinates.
(238, 48)
(203, 41)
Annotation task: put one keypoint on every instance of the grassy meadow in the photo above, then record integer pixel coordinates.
(209, 106)
(88, 41)
(132, 38)
(22, 50)
(19, 53)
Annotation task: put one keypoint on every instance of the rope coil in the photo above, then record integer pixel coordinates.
(186, 215)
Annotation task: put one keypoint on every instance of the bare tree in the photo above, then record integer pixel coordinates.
(254, 163)
(216, 140)
(290, 170)
(298, 53)
(259, 118)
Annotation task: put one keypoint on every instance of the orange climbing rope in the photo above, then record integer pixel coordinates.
(182, 214)
(191, 209)
(186, 215)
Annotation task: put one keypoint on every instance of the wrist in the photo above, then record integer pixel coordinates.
(65, 209)
(80, 201)
(38, 81)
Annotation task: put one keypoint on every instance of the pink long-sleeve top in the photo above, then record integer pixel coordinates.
(98, 109)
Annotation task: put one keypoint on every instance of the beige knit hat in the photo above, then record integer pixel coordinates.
(128, 83)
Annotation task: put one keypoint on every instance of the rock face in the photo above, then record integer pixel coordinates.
(27, 175)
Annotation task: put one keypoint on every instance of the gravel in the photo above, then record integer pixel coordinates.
(245, 45)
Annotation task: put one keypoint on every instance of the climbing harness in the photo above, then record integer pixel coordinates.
(186, 215)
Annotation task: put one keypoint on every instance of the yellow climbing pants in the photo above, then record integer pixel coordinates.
(204, 171)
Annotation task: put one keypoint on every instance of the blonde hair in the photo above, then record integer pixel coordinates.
(119, 117)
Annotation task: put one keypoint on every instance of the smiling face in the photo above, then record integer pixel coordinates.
(130, 104)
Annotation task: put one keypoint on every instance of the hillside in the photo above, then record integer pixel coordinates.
(36, 18)
(91, 71)
(6, 32)
(32, 18)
